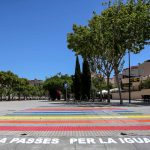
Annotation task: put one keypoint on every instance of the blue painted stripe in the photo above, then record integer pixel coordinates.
(123, 111)
(53, 114)
(50, 112)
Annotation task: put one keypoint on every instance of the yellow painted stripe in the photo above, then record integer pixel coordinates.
(68, 117)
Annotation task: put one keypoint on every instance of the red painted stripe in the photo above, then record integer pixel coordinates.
(72, 128)
(70, 121)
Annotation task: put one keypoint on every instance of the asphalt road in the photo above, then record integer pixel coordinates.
(44, 125)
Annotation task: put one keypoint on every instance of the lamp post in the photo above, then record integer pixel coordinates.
(129, 78)
(66, 86)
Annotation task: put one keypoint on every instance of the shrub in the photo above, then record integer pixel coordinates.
(146, 83)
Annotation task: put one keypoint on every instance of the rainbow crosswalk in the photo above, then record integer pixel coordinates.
(75, 119)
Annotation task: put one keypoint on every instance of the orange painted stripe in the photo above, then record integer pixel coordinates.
(70, 121)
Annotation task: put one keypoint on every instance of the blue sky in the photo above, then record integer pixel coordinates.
(33, 35)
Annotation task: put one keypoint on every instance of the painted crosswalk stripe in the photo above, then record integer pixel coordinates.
(72, 128)
(69, 117)
(122, 121)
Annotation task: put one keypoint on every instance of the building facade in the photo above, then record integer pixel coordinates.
(144, 69)
(137, 75)
(35, 82)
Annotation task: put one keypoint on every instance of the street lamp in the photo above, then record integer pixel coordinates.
(129, 78)
(66, 86)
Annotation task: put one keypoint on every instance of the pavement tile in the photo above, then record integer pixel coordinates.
(70, 116)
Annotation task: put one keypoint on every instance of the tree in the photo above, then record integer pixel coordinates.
(55, 84)
(127, 28)
(121, 27)
(103, 55)
(86, 80)
(88, 42)
(2, 84)
(10, 83)
(40, 90)
(99, 83)
(52, 85)
(146, 83)
(77, 80)
(21, 87)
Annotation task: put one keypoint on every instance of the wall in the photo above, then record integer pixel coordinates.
(134, 94)
(144, 69)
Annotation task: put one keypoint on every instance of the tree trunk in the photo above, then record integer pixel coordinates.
(49, 95)
(118, 84)
(19, 96)
(101, 98)
(108, 88)
(1, 97)
(9, 96)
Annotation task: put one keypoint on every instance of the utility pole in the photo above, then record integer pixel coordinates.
(129, 78)
(66, 86)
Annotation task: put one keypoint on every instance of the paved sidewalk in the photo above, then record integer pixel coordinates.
(58, 125)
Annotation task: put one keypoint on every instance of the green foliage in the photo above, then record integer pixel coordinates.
(127, 25)
(77, 83)
(100, 84)
(104, 42)
(56, 83)
(146, 84)
(8, 82)
(86, 80)
(11, 85)
(78, 41)
(21, 86)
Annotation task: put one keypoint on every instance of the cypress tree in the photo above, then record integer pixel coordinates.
(86, 80)
(77, 80)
